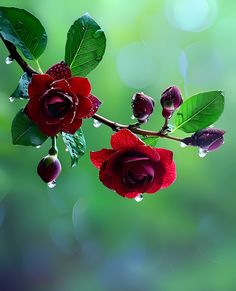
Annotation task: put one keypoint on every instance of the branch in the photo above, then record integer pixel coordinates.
(132, 127)
(16, 56)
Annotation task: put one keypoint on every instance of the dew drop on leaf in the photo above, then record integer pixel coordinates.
(98, 58)
(11, 99)
(98, 33)
(8, 60)
(138, 198)
(96, 123)
(52, 184)
(38, 147)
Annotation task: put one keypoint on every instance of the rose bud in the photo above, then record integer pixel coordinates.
(171, 99)
(131, 168)
(208, 139)
(59, 102)
(142, 106)
(49, 168)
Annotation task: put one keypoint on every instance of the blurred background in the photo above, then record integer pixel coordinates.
(82, 236)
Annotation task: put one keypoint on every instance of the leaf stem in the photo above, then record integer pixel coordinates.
(38, 66)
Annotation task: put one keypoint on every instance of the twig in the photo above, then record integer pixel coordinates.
(132, 127)
(16, 56)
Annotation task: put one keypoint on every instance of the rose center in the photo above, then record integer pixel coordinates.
(138, 172)
(57, 105)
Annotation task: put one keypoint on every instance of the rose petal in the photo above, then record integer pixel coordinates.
(80, 86)
(99, 157)
(169, 176)
(72, 127)
(49, 130)
(38, 85)
(95, 105)
(84, 107)
(61, 84)
(166, 156)
(105, 178)
(59, 71)
(124, 139)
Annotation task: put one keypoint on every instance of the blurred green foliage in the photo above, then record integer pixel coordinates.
(80, 235)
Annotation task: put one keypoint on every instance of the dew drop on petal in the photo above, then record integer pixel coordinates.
(202, 153)
(11, 99)
(8, 60)
(96, 123)
(52, 184)
(138, 198)
(183, 145)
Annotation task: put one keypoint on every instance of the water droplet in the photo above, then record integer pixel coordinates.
(11, 99)
(8, 60)
(202, 153)
(132, 117)
(66, 149)
(211, 126)
(98, 33)
(98, 58)
(38, 147)
(52, 184)
(183, 145)
(96, 123)
(138, 198)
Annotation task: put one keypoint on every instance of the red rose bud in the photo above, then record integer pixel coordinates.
(207, 139)
(142, 106)
(49, 168)
(171, 99)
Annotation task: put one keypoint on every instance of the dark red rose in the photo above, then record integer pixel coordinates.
(49, 168)
(131, 168)
(58, 102)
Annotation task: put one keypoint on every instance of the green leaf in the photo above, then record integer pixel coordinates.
(25, 132)
(85, 46)
(150, 141)
(22, 88)
(200, 111)
(24, 30)
(76, 145)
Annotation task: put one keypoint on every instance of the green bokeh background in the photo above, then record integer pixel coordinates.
(80, 235)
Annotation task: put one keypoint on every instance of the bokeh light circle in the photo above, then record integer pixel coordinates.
(191, 15)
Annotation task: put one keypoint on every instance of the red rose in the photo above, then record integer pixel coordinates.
(58, 102)
(131, 168)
